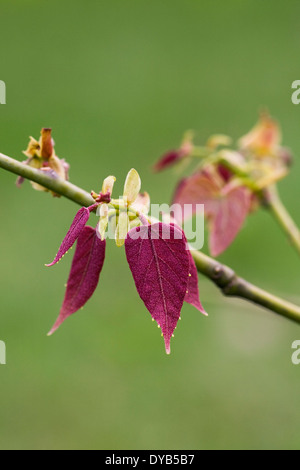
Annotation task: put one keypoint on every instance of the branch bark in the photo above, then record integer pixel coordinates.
(64, 188)
(231, 285)
(223, 276)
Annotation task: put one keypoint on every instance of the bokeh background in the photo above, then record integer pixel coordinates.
(119, 82)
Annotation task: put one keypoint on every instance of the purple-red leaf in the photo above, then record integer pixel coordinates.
(233, 208)
(85, 272)
(76, 228)
(168, 160)
(159, 262)
(175, 156)
(225, 173)
(192, 296)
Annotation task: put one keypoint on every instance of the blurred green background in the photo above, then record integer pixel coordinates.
(119, 82)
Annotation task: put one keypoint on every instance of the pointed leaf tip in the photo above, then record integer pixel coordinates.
(167, 160)
(168, 345)
(159, 263)
(84, 276)
(77, 226)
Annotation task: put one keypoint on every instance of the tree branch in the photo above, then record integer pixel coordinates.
(223, 276)
(58, 186)
(232, 285)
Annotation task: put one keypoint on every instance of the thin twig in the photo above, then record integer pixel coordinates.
(58, 186)
(278, 210)
(232, 285)
(223, 276)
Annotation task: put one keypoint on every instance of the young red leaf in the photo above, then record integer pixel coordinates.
(225, 173)
(200, 188)
(192, 296)
(159, 263)
(168, 160)
(226, 206)
(84, 276)
(175, 156)
(76, 228)
(233, 208)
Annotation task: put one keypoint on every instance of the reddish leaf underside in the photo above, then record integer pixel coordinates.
(226, 208)
(84, 276)
(77, 226)
(192, 297)
(159, 263)
(191, 192)
(232, 211)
